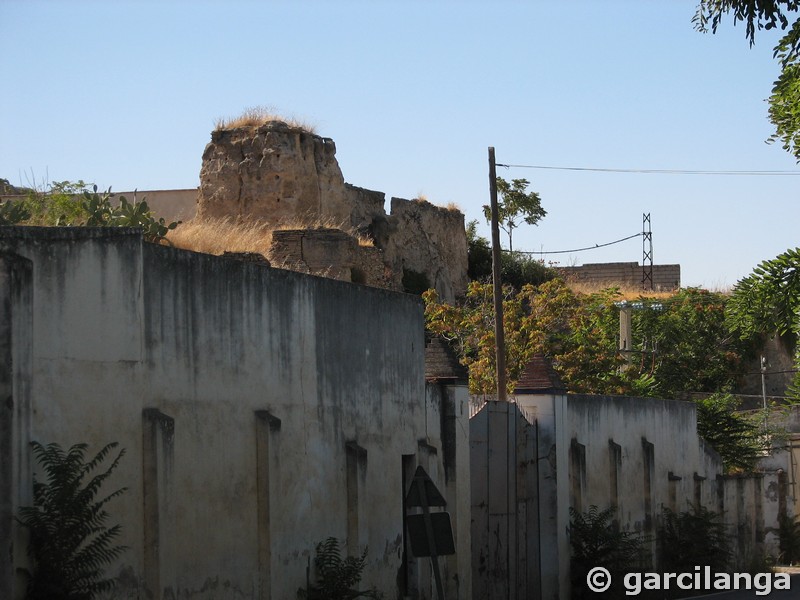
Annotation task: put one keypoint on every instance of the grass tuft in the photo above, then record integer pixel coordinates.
(257, 116)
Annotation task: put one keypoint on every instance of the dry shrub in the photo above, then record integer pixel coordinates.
(216, 236)
(626, 292)
(261, 115)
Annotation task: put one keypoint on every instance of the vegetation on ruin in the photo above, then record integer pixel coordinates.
(70, 543)
(257, 116)
(216, 236)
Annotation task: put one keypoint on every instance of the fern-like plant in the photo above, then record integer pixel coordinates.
(70, 543)
(597, 542)
(337, 576)
(692, 538)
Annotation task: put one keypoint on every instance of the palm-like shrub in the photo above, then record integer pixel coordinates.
(596, 541)
(337, 576)
(70, 543)
(696, 537)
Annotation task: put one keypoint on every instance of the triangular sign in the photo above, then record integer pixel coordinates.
(423, 483)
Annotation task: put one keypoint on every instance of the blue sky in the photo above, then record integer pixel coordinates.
(126, 95)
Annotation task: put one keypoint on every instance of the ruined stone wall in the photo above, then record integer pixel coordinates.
(273, 172)
(423, 238)
(286, 175)
(334, 254)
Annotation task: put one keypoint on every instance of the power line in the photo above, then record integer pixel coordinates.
(630, 237)
(653, 171)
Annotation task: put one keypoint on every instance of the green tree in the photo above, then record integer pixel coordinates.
(70, 543)
(577, 331)
(739, 439)
(515, 204)
(516, 269)
(686, 344)
(768, 301)
(784, 102)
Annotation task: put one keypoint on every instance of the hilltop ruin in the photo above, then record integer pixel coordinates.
(280, 173)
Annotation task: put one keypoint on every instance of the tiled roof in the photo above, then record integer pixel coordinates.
(539, 377)
(441, 362)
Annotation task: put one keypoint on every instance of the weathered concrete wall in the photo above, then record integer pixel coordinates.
(261, 410)
(640, 455)
(665, 277)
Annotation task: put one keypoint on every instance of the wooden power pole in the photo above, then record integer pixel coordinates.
(499, 334)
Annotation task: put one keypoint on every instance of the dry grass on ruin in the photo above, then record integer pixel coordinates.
(423, 199)
(261, 115)
(626, 292)
(216, 236)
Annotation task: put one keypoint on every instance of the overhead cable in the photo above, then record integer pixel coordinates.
(576, 250)
(652, 171)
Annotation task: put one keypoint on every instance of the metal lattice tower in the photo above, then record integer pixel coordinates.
(647, 253)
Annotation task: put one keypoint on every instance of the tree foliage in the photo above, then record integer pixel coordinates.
(516, 269)
(70, 543)
(684, 343)
(784, 102)
(577, 331)
(768, 301)
(740, 440)
(515, 204)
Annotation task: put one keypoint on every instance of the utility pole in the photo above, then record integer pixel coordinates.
(499, 334)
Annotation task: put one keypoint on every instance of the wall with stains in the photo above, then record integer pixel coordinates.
(642, 455)
(261, 410)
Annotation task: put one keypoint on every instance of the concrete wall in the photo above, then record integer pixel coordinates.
(640, 455)
(261, 411)
(665, 277)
